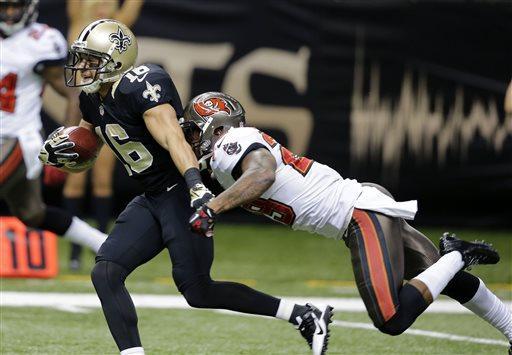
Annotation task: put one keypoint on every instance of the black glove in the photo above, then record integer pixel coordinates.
(203, 221)
(53, 150)
(199, 195)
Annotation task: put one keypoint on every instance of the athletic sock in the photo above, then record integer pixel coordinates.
(486, 305)
(133, 351)
(82, 233)
(462, 287)
(437, 276)
(102, 211)
(290, 311)
(74, 205)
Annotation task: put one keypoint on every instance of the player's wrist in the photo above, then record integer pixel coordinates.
(212, 207)
(192, 177)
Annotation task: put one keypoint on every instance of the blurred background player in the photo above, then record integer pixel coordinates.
(32, 55)
(80, 14)
(135, 110)
(260, 175)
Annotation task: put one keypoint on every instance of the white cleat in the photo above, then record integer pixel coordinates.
(314, 327)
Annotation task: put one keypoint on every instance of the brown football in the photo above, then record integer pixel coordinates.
(86, 143)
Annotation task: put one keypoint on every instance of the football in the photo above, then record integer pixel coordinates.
(86, 143)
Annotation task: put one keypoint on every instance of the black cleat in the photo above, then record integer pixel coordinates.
(314, 327)
(473, 253)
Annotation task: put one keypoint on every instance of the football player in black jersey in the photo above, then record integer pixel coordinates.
(134, 111)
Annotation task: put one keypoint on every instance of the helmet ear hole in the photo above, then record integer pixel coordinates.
(218, 130)
(118, 65)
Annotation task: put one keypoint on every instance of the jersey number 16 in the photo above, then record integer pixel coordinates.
(134, 155)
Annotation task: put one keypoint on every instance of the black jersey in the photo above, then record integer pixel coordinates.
(118, 120)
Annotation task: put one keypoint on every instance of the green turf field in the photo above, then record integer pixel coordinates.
(272, 259)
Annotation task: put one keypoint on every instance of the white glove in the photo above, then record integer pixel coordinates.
(199, 195)
(53, 152)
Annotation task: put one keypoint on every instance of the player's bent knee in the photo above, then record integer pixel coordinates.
(394, 327)
(196, 295)
(195, 298)
(108, 276)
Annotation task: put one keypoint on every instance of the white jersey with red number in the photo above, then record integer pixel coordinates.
(23, 57)
(305, 194)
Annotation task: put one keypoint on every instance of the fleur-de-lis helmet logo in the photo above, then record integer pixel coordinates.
(120, 40)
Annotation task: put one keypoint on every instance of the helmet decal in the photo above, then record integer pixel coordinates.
(209, 112)
(120, 40)
(211, 106)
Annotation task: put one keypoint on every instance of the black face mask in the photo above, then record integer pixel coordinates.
(193, 136)
(71, 69)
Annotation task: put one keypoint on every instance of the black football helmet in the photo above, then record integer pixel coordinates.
(16, 15)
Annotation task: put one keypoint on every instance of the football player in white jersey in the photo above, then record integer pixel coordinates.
(264, 177)
(32, 54)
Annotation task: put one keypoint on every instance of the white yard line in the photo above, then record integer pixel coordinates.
(82, 302)
(425, 333)
(57, 299)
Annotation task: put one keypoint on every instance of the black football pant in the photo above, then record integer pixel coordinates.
(150, 223)
(385, 251)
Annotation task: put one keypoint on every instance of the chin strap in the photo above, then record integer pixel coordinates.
(92, 87)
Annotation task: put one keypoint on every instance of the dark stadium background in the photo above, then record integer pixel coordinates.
(448, 60)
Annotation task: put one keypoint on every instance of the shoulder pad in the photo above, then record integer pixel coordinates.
(242, 132)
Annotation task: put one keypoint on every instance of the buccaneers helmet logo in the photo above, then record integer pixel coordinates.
(211, 106)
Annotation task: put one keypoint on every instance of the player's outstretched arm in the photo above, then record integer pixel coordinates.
(258, 174)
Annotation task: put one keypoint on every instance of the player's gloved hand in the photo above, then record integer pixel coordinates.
(203, 221)
(53, 150)
(199, 195)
